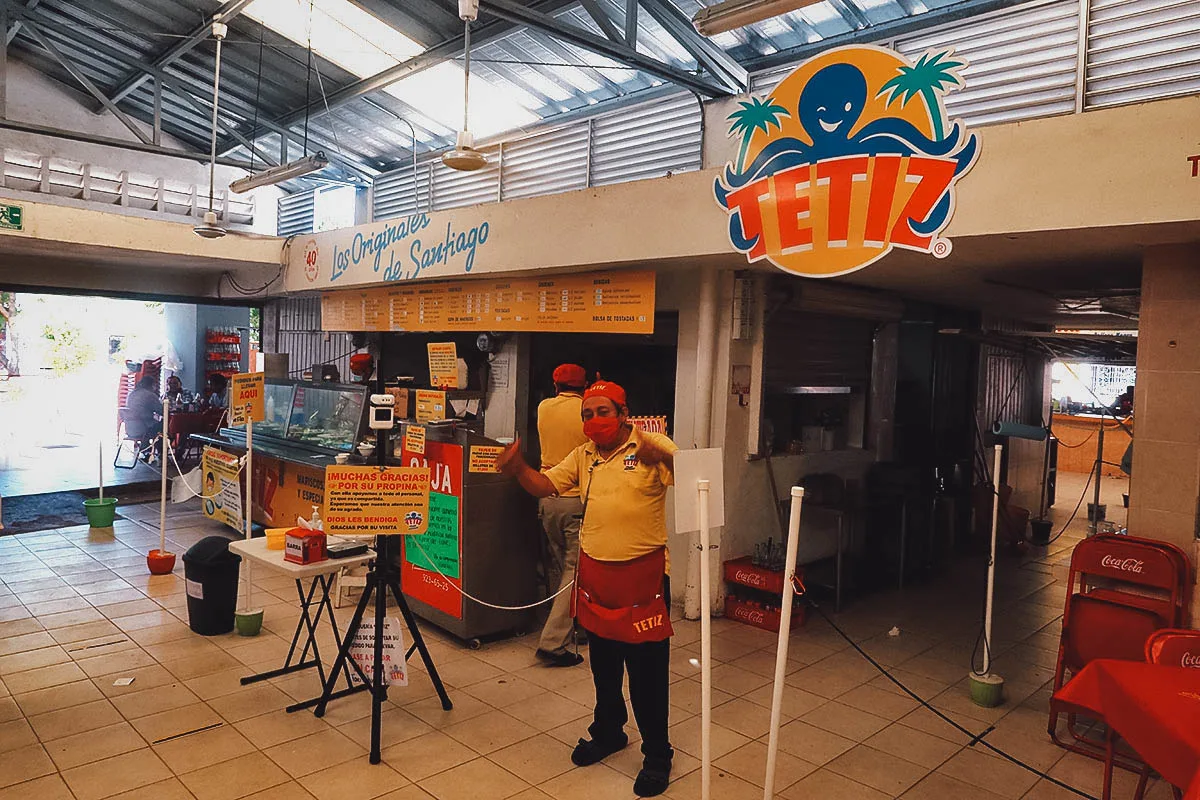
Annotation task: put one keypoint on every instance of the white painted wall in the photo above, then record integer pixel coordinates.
(35, 98)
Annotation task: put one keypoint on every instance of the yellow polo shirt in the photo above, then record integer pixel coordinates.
(625, 512)
(560, 430)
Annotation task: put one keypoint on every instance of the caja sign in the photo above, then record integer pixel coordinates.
(850, 156)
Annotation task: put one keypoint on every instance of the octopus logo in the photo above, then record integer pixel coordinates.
(413, 520)
(850, 156)
(311, 268)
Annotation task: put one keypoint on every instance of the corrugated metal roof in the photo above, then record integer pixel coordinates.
(266, 77)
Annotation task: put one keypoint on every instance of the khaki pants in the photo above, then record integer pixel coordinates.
(560, 521)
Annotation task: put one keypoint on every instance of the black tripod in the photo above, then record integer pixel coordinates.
(383, 576)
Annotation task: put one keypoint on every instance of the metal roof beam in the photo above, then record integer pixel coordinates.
(631, 20)
(16, 26)
(515, 12)
(882, 31)
(242, 108)
(195, 103)
(135, 78)
(721, 65)
(851, 13)
(86, 82)
(601, 19)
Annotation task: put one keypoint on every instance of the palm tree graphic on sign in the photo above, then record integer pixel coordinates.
(755, 115)
(930, 77)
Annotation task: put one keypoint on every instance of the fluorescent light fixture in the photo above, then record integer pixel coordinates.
(733, 14)
(283, 172)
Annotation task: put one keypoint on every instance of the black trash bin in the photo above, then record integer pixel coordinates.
(211, 572)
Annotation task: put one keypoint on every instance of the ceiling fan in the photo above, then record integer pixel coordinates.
(464, 156)
(210, 228)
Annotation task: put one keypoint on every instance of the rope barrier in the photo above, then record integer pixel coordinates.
(484, 603)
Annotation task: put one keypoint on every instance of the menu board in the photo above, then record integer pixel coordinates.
(593, 302)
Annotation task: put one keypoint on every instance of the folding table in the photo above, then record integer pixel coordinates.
(320, 577)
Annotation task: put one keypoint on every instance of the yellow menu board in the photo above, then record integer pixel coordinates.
(593, 302)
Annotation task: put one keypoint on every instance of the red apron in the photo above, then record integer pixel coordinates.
(623, 600)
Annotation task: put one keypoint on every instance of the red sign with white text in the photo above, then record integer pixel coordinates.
(431, 569)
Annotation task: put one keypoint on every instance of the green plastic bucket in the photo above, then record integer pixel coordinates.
(101, 512)
(987, 690)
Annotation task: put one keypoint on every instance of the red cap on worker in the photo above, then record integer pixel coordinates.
(606, 389)
(570, 375)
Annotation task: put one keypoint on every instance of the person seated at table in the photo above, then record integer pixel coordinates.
(174, 389)
(141, 410)
(214, 391)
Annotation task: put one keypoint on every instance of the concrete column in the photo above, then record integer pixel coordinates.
(1165, 484)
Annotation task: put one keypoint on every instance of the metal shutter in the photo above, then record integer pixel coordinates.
(295, 214)
(646, 141)
(806, 349)
(1139, 50)
(300, 336)
(394, 195)
(547, 163)
(1022, 63)
(453, 188)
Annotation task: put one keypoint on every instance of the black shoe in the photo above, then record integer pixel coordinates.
(589, 751)
(565, 659)
(653, 778)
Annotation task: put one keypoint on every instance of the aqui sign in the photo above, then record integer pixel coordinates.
(850, 156)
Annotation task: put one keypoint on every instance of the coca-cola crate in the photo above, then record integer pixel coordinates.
(744, 573)
(767, 619)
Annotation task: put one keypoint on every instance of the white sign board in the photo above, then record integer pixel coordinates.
(691, 467)
(395, 669)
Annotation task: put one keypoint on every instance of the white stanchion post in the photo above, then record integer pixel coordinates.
(702, 487)
(162, 500)
(785, 629)
(249, 502)
(100, 447)
(991, 575)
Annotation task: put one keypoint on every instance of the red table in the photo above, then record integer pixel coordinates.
(1155, 709)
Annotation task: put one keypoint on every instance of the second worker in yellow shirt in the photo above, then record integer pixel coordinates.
(560, 431)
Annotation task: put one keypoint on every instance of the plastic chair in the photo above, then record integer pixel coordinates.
(1174, 647)
(141, 444)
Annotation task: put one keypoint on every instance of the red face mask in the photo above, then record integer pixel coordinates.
(604, 431)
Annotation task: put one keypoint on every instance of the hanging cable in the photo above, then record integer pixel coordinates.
(257, 90)
(308, 75)
(218, 30)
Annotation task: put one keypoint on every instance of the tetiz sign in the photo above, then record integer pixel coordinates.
(850, 156)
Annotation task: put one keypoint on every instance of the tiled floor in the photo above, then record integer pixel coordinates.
(78, 610)
(67, 467)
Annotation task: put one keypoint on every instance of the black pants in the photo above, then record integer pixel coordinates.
(649, 684)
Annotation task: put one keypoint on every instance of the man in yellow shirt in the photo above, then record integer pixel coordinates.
(560, 430)
(622, 590)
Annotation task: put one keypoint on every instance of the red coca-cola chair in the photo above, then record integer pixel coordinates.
(1120, 590)
(1172, 647)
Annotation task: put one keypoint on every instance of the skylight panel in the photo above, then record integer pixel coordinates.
(341, 32)
(365, 45)
(437, 92)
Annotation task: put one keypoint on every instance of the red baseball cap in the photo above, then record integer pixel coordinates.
(570, 375)
(606, 389)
